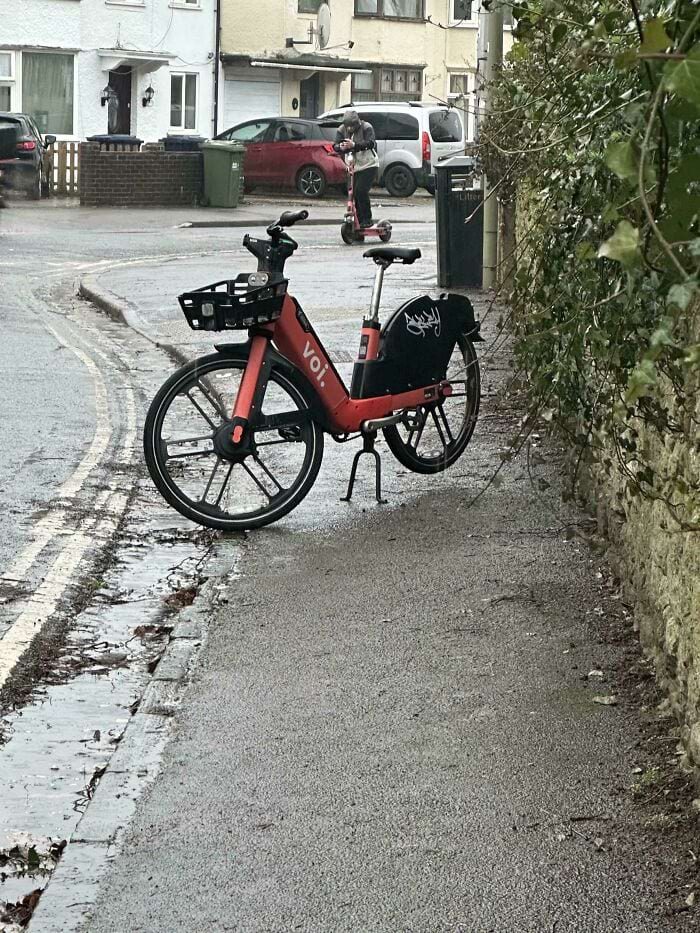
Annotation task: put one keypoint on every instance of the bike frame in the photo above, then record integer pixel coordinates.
(296, 340)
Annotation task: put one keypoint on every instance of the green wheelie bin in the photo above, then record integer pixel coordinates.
(223, 173)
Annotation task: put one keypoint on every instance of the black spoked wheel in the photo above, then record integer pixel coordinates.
(202, 475)
(441, 430)
(311, 182)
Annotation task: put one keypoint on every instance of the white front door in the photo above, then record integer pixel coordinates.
(248, 98)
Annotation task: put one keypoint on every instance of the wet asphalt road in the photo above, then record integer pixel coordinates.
(388, 728)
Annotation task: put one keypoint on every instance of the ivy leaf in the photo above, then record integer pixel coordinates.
(558, 33)
(680, 296)
(625, 60)
(640, 382)
(585, 251)
(694, 248)
(621, 158)
(684, 78)
(656, 39)
(623, 245)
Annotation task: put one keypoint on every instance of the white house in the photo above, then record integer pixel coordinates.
(85, 67)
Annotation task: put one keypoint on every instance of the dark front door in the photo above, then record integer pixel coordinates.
(119, 117)
(309, 95)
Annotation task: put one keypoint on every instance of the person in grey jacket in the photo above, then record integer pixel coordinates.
(356, 136)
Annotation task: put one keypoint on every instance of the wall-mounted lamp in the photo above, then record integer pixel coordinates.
(148, 96)
(106, 94)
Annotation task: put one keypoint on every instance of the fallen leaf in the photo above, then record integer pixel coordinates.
(610, 700)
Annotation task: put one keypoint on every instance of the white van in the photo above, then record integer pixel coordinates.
(412, 137)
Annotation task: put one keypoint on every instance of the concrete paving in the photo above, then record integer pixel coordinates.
(391, 726)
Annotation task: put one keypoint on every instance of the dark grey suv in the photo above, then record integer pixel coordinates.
(25, 169)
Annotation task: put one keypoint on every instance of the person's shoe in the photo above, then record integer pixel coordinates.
(369, 223)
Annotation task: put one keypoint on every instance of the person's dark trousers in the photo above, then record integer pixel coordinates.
(363, 182)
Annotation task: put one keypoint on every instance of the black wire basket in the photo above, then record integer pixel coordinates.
(233, 304)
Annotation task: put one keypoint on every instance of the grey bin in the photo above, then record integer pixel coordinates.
(223, 173)
(460, 245)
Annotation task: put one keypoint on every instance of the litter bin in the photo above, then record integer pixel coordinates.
(223, 173)
(116, 141)
(182, 143)
(460, 246)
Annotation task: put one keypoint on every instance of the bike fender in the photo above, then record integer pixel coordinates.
(311, 397)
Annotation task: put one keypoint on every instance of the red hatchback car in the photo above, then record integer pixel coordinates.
(290, 153)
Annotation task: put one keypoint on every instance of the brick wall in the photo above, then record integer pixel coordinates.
(135, 178)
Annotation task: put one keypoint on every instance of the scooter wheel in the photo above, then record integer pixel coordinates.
(384, 228)
(348, 234)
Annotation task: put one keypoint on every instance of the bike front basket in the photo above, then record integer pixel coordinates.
(233, 304)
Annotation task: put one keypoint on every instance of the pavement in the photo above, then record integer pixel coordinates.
(411, 717)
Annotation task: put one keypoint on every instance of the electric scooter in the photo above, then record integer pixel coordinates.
(351, 231)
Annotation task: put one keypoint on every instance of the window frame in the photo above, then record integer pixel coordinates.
(395, 19)
(309, 12)
(471, 23)
(10, 80)
(184, 74)
(20, 104)
(185, 4)
(469, 98)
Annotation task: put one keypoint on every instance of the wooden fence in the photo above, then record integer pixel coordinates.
(61, 166)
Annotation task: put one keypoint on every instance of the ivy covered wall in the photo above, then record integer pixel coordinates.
(594, 134)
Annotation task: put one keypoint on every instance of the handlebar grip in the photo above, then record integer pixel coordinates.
(289, 218)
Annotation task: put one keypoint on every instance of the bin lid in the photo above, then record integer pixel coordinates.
(225, 144)
(116, 138)
(460, 161)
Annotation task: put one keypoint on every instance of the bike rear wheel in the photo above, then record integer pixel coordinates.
(186, 446)
(442, 429)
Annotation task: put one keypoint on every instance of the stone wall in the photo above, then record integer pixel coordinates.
(146, 178)
(658, 559)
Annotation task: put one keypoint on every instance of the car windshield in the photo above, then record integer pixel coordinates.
(445, 126)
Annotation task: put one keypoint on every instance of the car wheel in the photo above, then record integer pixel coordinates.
(430, 188)
(311, 182)
(34, 191)
(399, 181)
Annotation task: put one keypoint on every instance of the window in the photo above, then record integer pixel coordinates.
(363, 87)
(288, 132)
(462, 10)
(7, 73)
(183, 101)
(248, 132)
(392, 9)
(401, 126)
(459, 85)
(445, 126)
(400, 84)
(309, 6)
(47, 91)
(378, 122)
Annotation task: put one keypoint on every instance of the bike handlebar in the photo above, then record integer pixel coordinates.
(289, 218)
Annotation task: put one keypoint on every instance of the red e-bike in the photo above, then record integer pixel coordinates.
(234, 440)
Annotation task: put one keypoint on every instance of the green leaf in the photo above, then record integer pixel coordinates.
(610, 213)
(625, 60)
(694, 248)
(558, 33)
(656, 39)
(623, 245)
(680, 296)
(640, 382)
(585, 251)
(622, 159)
(684, 78)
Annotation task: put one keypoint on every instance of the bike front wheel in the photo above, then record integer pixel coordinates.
(440, 431)
(203, 476)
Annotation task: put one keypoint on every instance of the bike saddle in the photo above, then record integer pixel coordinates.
(391, 254)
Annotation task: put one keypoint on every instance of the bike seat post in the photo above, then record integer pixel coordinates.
(377, 291)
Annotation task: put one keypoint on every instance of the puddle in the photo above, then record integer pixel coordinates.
(56, 747)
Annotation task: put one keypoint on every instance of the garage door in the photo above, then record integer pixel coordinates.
(249, 98)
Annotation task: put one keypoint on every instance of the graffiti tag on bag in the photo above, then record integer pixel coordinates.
(420, 324)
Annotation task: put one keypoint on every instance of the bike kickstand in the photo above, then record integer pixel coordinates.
(367, 448)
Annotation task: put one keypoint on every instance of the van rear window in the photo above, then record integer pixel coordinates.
(445, 126)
